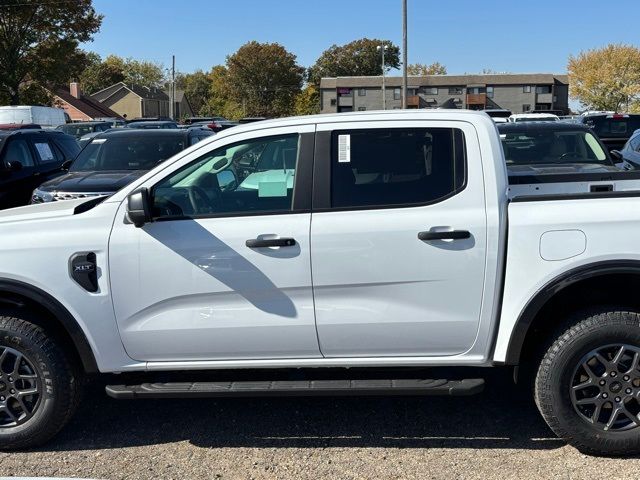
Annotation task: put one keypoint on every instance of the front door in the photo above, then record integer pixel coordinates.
(224, 271)
(399, 239)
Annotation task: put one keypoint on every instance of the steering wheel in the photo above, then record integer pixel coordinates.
(199, 200)
(567, 154)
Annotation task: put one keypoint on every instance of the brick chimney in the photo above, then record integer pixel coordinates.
(74, 89)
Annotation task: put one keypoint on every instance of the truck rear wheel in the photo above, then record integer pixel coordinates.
(39, 388)
(588, 383)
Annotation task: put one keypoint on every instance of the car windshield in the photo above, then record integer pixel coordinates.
(549, 147)
(536, 119)
(614, 126)
(80, 129)
(128, 152)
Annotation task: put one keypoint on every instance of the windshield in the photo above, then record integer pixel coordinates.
(549, 147)
(536, 119)
(614, 127)
(128, 152)
(80, 129)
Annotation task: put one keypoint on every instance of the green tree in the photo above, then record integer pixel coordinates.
(422, 69)
(307, 101)
(606, 78)
(358, 58)
(197, 88)
(39, 42)
(113, 69)
(219, 100)
(264, 78)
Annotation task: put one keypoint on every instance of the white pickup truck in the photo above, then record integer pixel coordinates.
(378, 239)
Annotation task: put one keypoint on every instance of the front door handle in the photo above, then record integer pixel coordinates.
(270, 242)
(447, 235)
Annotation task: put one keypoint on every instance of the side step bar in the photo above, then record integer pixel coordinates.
(302, 388)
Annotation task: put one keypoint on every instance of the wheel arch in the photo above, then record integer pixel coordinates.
(564, 287)
(21, 295)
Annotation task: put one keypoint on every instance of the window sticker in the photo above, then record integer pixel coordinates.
(44, 150)
(344, 148)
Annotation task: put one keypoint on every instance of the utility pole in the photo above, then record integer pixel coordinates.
(172, 111)
(383, 48)
(404, 53)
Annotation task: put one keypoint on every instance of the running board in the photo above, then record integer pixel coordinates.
(300, 388)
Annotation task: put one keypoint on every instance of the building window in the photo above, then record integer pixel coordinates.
(490, 92)
(397, 93)
(429, 164)
(526, 107)
(334, 102)
(362, 92)
(543, 89)
(344, 92)
(431, 90)
(455, 90)
(476, 90)
(526, 89)
(362, 109)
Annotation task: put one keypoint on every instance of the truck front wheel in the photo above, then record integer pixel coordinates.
(39, 387)
(588, 383)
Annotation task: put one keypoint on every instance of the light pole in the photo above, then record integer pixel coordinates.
(383, 48)
(404, 53)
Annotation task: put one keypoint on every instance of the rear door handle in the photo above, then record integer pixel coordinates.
(270, 242)
(449, 235)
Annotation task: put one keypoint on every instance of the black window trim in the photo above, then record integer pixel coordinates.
(303, 181)
(322, 175)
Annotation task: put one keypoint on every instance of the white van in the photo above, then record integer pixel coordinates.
(46, 117)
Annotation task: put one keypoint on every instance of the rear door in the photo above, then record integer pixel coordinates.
(398, 238)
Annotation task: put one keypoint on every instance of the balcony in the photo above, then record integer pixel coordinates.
(544, 98)
(477, 99)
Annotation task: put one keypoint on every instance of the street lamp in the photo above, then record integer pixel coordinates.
(383, 48)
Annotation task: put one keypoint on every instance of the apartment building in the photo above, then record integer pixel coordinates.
(519, 93)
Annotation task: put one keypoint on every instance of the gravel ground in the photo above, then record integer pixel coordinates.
(494, 435)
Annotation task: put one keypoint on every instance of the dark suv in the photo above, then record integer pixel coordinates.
(116, 158)
(614, 129)
(28, 158)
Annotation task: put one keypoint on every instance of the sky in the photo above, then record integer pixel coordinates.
(466, 36)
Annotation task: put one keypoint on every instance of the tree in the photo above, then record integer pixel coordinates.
(421, 69)
(358, 58)
(307, 101)
(265, 78)
(220, 101)
(197, 88)
(102, 74)
(607, 78)
(39, 42)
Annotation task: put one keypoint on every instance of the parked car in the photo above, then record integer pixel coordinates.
(83, 128)
(47, 117)
(115, 158)
(20, 126)
(215, 125)
(154, 124)
(498, 112)
(251, 119)
(552, 148)
(614, 129)
(192, 120)
(418, 258)
(29, 157)
(631, 150)
(533, 117)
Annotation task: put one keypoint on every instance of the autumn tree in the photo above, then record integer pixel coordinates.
(197, 88)
(607, 78)
(421, 69)
(307, 101)
(358, 58)
(220, 100)
(39, 42)
(265, 78)
(102, 74)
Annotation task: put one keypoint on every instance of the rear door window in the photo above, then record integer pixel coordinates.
(17, 150)
(396, 167)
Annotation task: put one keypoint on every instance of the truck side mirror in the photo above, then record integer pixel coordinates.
(616, 154)
(66, 165)
(138, 207)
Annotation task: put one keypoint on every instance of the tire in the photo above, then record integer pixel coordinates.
(588, 384)
(31, 420)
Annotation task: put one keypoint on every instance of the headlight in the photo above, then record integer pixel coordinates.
(41, 196)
